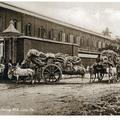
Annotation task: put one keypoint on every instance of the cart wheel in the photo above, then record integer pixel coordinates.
(51, 73)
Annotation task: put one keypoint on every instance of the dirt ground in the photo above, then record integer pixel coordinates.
(68, 97)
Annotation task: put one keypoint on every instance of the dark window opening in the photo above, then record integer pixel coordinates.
(43, 32)
(82, 41)
(67, 38)
(51, 34)
(87, 42)
(15, 23)
(1, 24)
(74, 39)
(60, 36)
(39, 32)
(28, 31)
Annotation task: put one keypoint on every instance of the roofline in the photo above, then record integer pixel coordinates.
(24, 11)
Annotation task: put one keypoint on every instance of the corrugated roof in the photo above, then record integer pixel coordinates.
(11, 7)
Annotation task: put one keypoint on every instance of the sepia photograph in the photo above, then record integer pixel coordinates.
(59, 58)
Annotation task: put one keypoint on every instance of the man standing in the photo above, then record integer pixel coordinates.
(7, 65)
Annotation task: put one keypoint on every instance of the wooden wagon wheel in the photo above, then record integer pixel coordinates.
(51, 73)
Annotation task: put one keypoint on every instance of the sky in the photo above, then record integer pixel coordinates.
(93, 16)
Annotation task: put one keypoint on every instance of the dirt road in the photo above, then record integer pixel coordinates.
(64, 98)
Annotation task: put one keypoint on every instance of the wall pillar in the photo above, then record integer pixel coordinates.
(10, 49)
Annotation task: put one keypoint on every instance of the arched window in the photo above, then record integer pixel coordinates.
(43, 32)
(78, 39)
(63, 37)
(103, 44)
(99, 44)
(94, 42)
(1, 25)
(1, 49)
(74, 39)
(39, 32)
(51, 34)
(67, 38)
(82, 41)
(87, 42)
(60, 36)
(15, 23)
(71, 38)
(28, 29)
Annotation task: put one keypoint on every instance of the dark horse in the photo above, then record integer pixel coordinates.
(97, 71)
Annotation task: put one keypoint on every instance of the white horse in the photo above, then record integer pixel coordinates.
(19, 72)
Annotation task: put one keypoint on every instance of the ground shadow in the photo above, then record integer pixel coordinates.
(58, 83)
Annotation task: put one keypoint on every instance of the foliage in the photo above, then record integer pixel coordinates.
(110, 47)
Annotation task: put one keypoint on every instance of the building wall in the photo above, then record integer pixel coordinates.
(20, 50)
(24, 44)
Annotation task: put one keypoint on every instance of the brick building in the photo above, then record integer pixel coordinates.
(49, 35)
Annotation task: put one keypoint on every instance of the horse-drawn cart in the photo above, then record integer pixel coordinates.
(107, 64)
(50, 67)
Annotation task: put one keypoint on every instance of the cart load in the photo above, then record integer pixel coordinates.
(109, 56)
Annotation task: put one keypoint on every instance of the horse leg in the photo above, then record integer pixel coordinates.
(82, 76)
(17, 79)
(109, 75)
(24, 79)
(94, 77)
(90, 77)
(32, 80)
(115, 78)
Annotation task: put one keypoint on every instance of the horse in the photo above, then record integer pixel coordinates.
(99, 71)
(96, 71)
(20, 72)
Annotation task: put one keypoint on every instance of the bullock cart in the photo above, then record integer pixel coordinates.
(50, 67)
